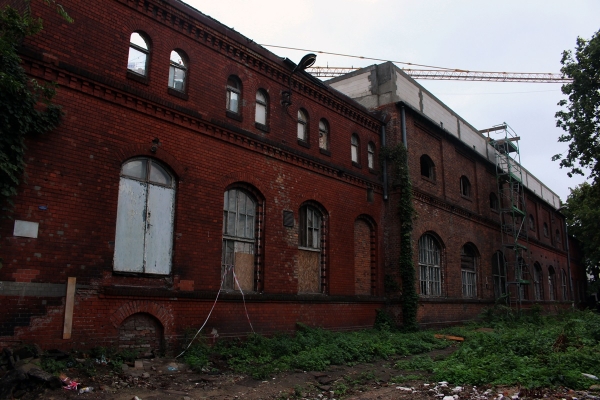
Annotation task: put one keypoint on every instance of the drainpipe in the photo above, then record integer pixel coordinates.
(385, 172)
(568, 256)
(404, 129)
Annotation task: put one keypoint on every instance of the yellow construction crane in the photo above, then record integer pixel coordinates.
(456, 74)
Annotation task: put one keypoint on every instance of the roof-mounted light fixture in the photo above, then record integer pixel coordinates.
(306, 62)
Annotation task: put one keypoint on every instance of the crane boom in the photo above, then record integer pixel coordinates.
(460, 75)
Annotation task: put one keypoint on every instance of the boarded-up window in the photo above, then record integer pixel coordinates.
(362, 258)
(310, 253)
(144, 232)
(239, 217)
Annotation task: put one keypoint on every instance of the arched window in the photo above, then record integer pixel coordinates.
(465, 186)
(551, 283)
(523, 277)
(354, 148)
(177, 71)
(139, 53)
(302, 125)
(494, 204)
(323, 135)
(311, 260)
(371, 155)
(427, 167)
(545, 229)
(260, 115)
(538, 286)
(430, 275)
(531, 222)
(145, 212)
(239, 240)
(468, 265)
(234, 94)
(499, 274)
(557, 239)
(565, 291)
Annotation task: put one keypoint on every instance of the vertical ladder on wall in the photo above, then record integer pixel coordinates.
(512, 212)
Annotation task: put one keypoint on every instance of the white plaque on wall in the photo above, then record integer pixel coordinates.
(26, 229)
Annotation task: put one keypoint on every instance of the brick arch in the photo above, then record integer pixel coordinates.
(143, 306)
(240, 178)
(143, 149)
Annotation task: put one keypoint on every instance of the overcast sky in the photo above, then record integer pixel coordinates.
(507, 35)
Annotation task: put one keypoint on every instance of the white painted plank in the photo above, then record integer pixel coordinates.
(159, 230)
(131, 215)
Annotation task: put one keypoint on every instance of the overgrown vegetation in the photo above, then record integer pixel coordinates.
(527, 349)
(310, 349)
(25, 105)
(398, 156)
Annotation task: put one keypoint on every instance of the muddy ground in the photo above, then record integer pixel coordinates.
(164, 378)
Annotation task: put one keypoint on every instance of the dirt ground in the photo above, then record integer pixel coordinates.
(163, 378)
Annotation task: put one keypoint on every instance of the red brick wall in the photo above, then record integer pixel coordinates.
(362, 257)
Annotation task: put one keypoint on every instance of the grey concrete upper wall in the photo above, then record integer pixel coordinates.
(385, 83)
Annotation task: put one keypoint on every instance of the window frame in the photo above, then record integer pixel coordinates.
(302, 127)
(234, 87)
(494, 202)
(324, 135)
(355, 149)
(499, 276)
(125, 249)
(546, 230)
(427, 167)
(263, 105)
(181, 68)
(564, 287)
(314, 209)
(465, 187)
(132, 73)
(231, 241)
(371, 156)
(468, 266)
(430, 269)
(551, 283)
(538, 280)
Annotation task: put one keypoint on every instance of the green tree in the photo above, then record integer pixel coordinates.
(581, 119)
(26, 107)
(583, 219)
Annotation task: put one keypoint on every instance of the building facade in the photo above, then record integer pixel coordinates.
(198, 178)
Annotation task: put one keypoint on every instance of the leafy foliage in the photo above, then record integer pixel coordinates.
(25, 105)
(310, 349)
(583, 219)
(399, 158)
(581, 119)
(528, 350)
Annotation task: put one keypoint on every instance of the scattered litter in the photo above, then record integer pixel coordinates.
(449, 337)
(448, 398)
(135, 398)
(88, 389)
(457, 389)
(172, 368)
(102, 360)
(406, 389)
(590, 376)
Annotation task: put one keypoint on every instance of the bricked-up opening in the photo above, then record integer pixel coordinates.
(141, 332)
(364, 256)
(312, 258)
(242, 230)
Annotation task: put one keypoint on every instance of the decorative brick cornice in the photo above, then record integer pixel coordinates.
(167, 14)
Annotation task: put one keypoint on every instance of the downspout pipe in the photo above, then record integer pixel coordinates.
(385, 171)
(403, 120)
(568, 254)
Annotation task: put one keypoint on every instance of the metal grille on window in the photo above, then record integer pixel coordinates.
(429, 265)
(239, 217)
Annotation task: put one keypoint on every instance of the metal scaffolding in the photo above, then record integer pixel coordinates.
(512, 210)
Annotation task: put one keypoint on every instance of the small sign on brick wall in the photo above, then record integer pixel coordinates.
(26, 229)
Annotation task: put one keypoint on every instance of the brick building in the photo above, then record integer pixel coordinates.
(472, 242)
(192, 163)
